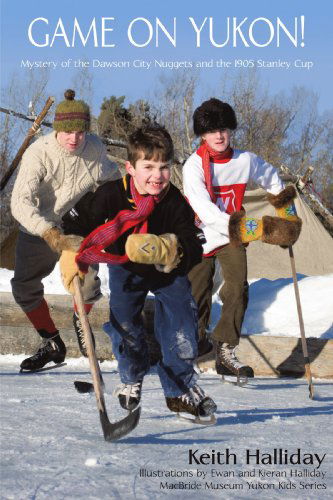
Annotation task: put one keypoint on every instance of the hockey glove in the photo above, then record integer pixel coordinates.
(273, 230)
(284, 203)
(59, 242)
(69, 269)
(163, 250)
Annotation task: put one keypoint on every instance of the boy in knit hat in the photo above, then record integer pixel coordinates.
(151, 243)
(215, 179)
(55, 172)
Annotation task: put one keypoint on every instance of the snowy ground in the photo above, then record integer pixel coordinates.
(267, 300)
(52, 445)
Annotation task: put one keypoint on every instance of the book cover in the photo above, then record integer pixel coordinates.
(138, 61)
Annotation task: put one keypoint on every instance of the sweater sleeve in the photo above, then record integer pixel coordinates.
(196, 192)
(24, 200)
(265, 174)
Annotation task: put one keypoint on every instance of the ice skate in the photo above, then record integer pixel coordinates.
(51, 349)
(129, 395)
(229, 366)
(194, 406)
(80, 335)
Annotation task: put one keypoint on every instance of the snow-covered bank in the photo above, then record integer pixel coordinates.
(272, 307)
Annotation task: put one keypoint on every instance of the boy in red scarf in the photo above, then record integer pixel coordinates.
(143, 228)
(215, 179)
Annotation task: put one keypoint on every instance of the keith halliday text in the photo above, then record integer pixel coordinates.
(276, 456)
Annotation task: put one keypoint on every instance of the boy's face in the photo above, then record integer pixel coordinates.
(70, 140)
(150, 176)
(218, 140)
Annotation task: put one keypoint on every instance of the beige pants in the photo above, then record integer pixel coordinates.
(234, 293)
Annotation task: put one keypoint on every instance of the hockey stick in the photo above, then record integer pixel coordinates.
(84, 387)
(31, 132)
(301, 324)
(114, 431)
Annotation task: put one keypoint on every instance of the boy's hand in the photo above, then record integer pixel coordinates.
(69, 269)
(59, 242)
(273, 230)
(284, 203)
(151, 249)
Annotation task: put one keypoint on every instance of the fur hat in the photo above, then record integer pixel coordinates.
(213, 115)
(71, 115)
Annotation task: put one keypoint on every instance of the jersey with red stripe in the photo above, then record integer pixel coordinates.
(229, 179)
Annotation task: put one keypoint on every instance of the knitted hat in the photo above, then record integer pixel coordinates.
(71, 115)
(213, 115)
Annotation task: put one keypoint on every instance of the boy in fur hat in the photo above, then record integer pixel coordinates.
(55, 172)
(215, 179)
(151, 243)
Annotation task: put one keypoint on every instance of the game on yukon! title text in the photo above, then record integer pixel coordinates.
(141, 32)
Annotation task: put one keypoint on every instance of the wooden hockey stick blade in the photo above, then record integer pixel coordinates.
(111, 431)
(121, 428)
(309, 378)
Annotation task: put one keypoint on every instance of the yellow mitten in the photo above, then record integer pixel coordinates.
(273, 230)
(69, 269)
(250, 229)
(284, 203)
(163, 250)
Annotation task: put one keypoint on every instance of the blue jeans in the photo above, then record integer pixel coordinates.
(175, 328)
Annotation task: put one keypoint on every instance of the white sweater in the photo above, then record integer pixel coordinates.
(229, 182)
(51, 180)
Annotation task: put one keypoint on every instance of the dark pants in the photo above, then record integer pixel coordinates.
(175, 329)
(234, 293)
(34, 260)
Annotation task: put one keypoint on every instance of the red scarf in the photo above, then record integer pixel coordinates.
(209, 156)
(92, 248)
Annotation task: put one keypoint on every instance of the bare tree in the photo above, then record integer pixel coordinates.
(26, 95)
(173, 103)
(285, 128)
(83, 83)
(263, 120)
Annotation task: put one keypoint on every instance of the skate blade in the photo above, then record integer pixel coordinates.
(209, 420)
(44, 369)
(238, 380)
